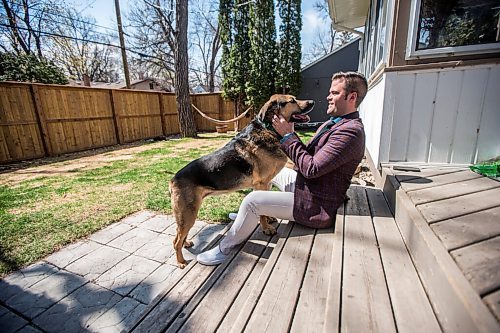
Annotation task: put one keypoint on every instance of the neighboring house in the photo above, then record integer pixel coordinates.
(433, 69)
(141, 84)
(201, 88)
(144, 84)
(317, 76)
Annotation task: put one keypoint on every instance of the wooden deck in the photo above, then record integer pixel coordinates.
(450, 220)
(360, 277)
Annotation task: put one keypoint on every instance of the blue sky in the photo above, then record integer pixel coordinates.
(104, 12)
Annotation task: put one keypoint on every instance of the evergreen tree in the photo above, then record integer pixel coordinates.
(252, 67)
(263, 52)
(234, 21)
(29, 68)
(288, 76)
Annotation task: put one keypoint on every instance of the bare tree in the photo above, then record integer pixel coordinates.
(77, 53)
(325, 41)
(205, 41)
(159, 37)
(152, 26)
(186, 117)
(22, 22)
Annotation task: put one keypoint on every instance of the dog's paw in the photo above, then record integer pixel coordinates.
(182, 265)
(188, 243)
(269, 230)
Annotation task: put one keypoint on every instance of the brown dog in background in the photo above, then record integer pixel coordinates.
(250, 160)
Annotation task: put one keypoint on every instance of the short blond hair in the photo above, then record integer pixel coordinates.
(354, 82)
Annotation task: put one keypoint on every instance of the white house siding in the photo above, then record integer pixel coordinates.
(436, 116)
(371, 111)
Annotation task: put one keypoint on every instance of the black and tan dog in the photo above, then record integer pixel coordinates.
(250, 160)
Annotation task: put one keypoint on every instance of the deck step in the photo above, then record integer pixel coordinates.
(444, 215)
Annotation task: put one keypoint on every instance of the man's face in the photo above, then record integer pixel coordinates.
(338, 101)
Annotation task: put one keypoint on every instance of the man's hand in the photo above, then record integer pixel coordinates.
(282, 126)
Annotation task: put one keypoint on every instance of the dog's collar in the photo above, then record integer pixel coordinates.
(267, 126)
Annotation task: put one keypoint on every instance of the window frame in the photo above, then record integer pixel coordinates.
(439, 52)
(376, 35)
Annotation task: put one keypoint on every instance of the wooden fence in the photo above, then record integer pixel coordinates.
(38, 120)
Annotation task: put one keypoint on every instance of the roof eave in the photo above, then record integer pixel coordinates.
(349, 13)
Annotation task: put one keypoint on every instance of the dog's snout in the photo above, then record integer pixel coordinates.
(310, 102)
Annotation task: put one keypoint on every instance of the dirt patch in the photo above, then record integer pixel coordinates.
(68, 164)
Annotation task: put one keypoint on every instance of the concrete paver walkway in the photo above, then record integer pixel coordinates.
(101, 284)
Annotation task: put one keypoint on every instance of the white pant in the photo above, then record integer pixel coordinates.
(257, 203)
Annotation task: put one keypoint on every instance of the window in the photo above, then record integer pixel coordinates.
(447, 27)
(374, 43)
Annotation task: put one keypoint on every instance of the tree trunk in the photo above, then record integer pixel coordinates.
(14, 27)
(215, 49)
(186, 118)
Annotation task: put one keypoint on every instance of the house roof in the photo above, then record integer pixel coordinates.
(355, 40)
(349, 13)
(113, 85)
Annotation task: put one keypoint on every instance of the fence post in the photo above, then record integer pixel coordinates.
(40, 119)
(221, 112)
(162, 115)
(116, 121)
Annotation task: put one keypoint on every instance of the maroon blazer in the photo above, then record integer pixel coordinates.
(324, 168)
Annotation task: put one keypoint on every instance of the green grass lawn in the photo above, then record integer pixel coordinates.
(42, 214)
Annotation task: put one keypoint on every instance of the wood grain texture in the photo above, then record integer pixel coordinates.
(279, 297)
(493, 302)
(428, 182)
(462, 231)
(38, 120)
(366, 305)
(334, 294)
(207, 317)
(446, 191)
(412, 309)
(457, 305)
(459, 206)
(480, 263)
(310, 310)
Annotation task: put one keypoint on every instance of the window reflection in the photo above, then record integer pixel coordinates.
(447, 23)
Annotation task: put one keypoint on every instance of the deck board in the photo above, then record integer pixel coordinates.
(459, 206)
(366, 305)
(310, 310)
(224, 289)
(240, 300)
(465, 230)
(438, 180)
(422, 196)
(493, 302)
(281, 291)
(169, 307)
(333, 301)
(249, 305)
(481, 264)
(412, 310)
(404, 176)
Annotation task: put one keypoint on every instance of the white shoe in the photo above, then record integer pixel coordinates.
(212, 257)
(232, 216)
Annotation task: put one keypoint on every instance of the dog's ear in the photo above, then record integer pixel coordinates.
(268, 106)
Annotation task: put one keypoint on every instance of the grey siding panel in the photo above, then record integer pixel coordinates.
(316, 78)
